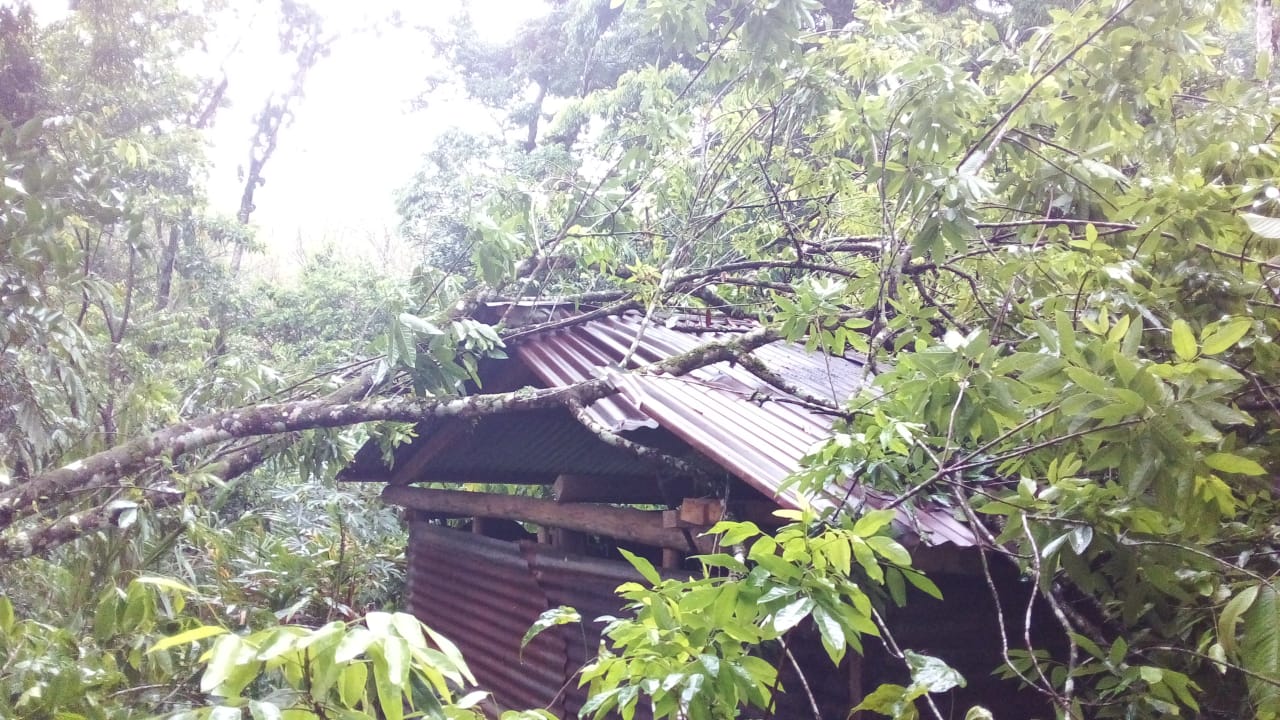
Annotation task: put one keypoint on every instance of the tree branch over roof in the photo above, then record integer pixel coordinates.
(276, 418)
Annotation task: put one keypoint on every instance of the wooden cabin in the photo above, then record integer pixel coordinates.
(484, 565)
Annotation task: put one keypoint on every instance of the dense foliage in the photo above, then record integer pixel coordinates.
(1049, 228)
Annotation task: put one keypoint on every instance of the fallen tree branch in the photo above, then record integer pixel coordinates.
(278, 418)
(645, 454)
(41, 540)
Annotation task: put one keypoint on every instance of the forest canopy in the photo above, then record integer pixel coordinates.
(1050, 227)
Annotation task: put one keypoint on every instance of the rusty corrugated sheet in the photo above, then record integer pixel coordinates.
(484, 594)
(587, 585)
(722, 410)
(480, 593)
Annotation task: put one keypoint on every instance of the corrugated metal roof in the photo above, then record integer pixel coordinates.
(754, 430)
(536, 446)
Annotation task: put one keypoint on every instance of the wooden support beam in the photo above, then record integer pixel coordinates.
(695, 513)
(701, 512)
(640, 526)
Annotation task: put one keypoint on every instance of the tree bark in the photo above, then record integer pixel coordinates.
(1264, 38)
(641, 526)
(164, 278)
(74, 526)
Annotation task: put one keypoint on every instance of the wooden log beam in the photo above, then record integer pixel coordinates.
(640, 526)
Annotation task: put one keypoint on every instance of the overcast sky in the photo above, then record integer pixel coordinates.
(354, 139)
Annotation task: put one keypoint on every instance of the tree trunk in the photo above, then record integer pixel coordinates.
(164, 279)
(1264, 39)
(531, 139)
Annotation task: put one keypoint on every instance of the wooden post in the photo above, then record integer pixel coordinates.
(672, 559)
(570, 541)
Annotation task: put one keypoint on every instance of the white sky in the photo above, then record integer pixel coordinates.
(354, 139)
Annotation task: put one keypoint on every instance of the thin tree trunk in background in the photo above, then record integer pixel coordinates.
(531, 140)
(305, 38)
(164, 282)
(117, 335)
(1264, 39)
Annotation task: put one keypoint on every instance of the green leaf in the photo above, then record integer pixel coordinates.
(353, 644)
(451, 652)
(351, 684)
(387, 685)
(106, 617)
(931, 673)
(1230, 617)
(396, 651)
(832, 633)
(734, 532)
(1260, 649)
(1184, 341)
(872, 522)
(263, 711)
(1262, 225)
(167, 584)
(1223, 338)
(792, 614)
(417, 324)
(190, 636)
(1080, 538)
(562, 615)
(642, 565)
(897, 587)
(6, 615)
(890, 549)
(279, 641)
(222, 661)
(922, 583)
(1229, 463)
(1119, 651)
(891, 700)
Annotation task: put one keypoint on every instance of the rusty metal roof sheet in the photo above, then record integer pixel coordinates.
(757, 432)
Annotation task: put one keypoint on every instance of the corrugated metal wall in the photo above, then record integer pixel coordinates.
(480, 594)
(484, 594)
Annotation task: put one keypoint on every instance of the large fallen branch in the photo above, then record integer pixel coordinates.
(41, 539)
(276, 418)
